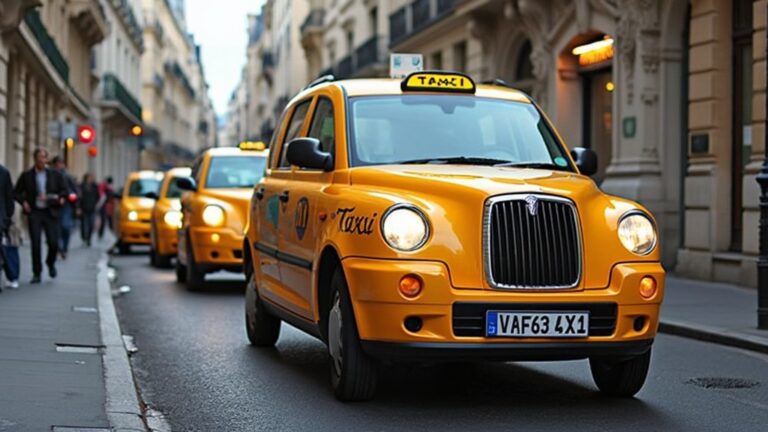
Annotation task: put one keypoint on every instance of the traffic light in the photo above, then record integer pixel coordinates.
(93, 151)
(86, 134)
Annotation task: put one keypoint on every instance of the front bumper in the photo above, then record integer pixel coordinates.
(226, 253)
(135, 232)
(167, 242)
(380, 312)
(504, 351)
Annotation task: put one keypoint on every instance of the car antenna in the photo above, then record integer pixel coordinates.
(320, 80)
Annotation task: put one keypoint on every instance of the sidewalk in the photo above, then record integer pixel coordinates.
(714, 312)
(52, 353)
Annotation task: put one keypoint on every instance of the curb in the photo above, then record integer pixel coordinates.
(122, 405)
(714, 335)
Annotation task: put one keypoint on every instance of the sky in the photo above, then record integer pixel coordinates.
(222, 33)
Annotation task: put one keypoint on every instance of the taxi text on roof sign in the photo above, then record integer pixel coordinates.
(438, 81)
(251, 145)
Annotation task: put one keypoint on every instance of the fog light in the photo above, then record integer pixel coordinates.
(647, 287)
(413, 324)
(639, 324)
(410, 286)
(215, 238)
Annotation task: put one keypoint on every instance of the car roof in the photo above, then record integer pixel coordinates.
(389, 86)
(179, 172)
(145, 174)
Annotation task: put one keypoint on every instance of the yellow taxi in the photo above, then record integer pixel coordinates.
(133, 209)
(215, 210)
(166, 218)
(434, 219)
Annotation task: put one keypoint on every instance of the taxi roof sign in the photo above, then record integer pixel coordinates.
(252, 145)
(437, 81)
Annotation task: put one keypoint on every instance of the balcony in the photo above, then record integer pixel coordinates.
(313, 22)
(89, 17)
(416, 16)
(47, 44)
(346, 67)
(369, 53)
(115, 91)
(362, 62)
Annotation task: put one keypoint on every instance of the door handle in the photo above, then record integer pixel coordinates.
(259, 193)
(284, 196)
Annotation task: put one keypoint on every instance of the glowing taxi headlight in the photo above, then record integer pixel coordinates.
(213, 215)
(404, 228)
(173, 218)
(637, 233)
(133, 216)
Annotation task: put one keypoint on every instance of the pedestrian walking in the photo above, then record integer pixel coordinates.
(6, 208)
(13, 239)
(89, 200)
(41, 192)
(67, 211)
(106, 205)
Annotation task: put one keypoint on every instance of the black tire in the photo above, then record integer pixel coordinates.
(354, 374)
(620, 378)
(163, 261)
(181, 272)
(123, 248)
(195, 278)
(152, 257)
(262, 328)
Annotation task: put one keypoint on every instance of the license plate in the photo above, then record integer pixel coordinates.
(537, 324)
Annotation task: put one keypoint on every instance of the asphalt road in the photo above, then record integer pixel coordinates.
(195, 366)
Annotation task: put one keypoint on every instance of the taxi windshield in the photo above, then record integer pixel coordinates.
(234, 171)
(141, 187)
(450, 129)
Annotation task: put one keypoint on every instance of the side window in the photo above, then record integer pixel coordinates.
(322, 125)
(273, 139)
(293, 130)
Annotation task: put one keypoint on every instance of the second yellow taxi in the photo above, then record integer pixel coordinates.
(215, 209)
(166, 218)
(133, 208)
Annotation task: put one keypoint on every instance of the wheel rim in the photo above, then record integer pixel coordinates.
(334, 334)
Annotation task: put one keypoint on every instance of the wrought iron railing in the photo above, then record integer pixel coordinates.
(47, 44)
(114, 90)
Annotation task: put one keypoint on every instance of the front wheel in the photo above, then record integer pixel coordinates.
(262, 328)
(123, 248)
(620, 378)
(195, 278)
(181, 272)
(354, 374)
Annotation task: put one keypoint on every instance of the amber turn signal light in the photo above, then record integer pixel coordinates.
(410, 286)
(647, 287)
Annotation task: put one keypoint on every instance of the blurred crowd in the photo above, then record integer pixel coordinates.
(53, 203)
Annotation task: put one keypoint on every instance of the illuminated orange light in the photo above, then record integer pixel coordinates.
(595, 52)
(610, 86)
(215, 237)
(70, 143)
(136, 130)
(647, 287)
(410, 286)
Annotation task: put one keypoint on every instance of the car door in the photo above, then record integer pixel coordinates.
(272, 208)
(186, 211)
(305, 209)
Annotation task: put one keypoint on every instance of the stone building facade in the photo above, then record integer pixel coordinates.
(45, 77)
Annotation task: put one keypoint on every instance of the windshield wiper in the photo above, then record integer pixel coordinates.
(541, 165)
(460, 160)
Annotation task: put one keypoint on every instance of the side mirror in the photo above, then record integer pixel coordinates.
(152, 195)
(586, 160)
(306, 153)
(187, 184)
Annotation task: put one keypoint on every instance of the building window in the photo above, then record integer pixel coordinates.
(460, 56)
(742, 114)
(436, 61)
(373, 18)
(350, 42)
(524, 69)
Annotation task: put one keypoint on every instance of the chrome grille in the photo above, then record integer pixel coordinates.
(532, 241)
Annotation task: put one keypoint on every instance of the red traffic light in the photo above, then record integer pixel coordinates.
(93, 151)
(86, 134)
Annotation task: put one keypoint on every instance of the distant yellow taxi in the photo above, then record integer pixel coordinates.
(215, 209)
(166, 218)
(133, 209)
(434, 219)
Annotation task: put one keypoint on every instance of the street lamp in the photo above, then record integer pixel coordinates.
(762, 260)
(138, 132)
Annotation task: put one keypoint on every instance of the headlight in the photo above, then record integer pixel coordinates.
(133, 216)
(173, 218)
(404, 227)
(637, 233)
(213, 215)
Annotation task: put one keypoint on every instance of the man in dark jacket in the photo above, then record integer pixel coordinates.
(67, 211)
(89, 199)
(41, 192)
(6, 208)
